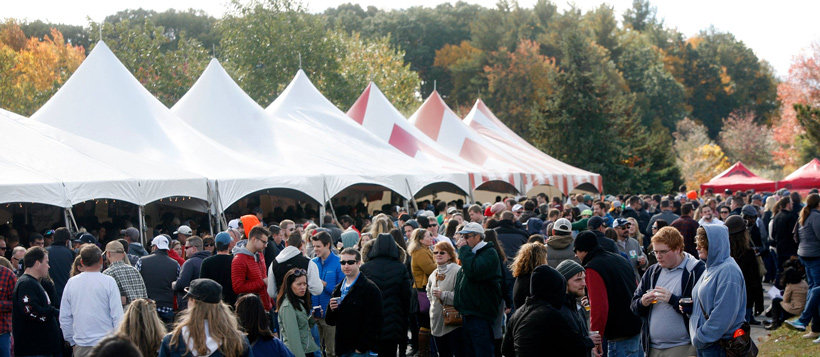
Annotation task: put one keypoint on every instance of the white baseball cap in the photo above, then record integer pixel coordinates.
(471, 227)
(183, 229)
(161, 242)
(562, 225)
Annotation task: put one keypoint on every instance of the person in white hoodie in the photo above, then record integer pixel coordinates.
(293, 256)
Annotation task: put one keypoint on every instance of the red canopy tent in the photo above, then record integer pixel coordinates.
(803, 179)
(736, 178)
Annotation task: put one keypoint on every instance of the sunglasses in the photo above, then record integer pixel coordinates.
(348, 262)
(299, 272)
(440, 252)
(724, 212)
(209, 245)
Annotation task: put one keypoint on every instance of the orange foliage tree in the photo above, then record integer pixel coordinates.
(31, 70)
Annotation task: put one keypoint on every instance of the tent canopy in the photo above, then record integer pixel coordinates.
(103, 102)
(332, 131)
(549, 171)
(438, 122)
(738, 177)
(805, 178)
(373, 111)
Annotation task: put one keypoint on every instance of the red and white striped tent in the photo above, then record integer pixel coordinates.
(376, 114)
(551, 171)
(436, 120)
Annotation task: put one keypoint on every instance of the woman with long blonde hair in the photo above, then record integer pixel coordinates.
(529, 256)
(207, 328)
(142, 326)
(422, 264)
(381, 224)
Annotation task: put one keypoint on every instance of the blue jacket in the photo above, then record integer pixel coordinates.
(721, 290)
(331, 273)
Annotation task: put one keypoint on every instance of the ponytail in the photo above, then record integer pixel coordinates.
(812, 202)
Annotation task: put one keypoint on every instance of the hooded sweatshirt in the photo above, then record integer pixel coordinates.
(559, 249)
(545, 321)
(720, 290)
(287, 256)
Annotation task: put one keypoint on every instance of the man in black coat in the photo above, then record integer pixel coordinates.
(60, 260)
(385, 267)
(783, 233)
(355, 308)
(545, 323)
(35, 326)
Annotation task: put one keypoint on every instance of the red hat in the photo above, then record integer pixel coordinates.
(692, 195)
(488, 212)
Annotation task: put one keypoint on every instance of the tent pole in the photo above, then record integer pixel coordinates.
(410, 193)
(211, 215)
(141, 222)
(67, 222)
(71, 215)
(329, 201)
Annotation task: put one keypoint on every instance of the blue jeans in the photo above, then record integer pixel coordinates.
(314, 331)
(811, 313)
(812, 271)
(630, 347)
(712, 350)
(5, 344)
(478, 336)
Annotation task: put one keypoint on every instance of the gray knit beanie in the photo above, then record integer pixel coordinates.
(569, 268)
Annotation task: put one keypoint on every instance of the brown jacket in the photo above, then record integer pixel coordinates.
(423, 264)
(794, 298)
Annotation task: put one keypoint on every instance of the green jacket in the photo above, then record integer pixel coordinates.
(478, 283)
(295, 328)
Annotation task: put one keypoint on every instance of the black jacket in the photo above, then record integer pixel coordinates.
(619, 280)
(35, 325)
(689, 276)
(159, 271)
(642, 216)
(385, 267)
(605, 243)
(271, 251)
(783, 234)
(545, 323)
(218, 269)
(60, 259)
(358, 319)
(511, 238)
(751, 276)
(521, 290)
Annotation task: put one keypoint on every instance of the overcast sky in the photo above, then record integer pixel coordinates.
(775, 30)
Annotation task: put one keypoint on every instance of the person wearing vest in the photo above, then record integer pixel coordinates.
(610, 282)
(293, 257)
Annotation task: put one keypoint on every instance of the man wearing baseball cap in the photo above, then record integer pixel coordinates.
(559, 245)
(158, 271)
(218, 267)
(183, 233)
(478, 289)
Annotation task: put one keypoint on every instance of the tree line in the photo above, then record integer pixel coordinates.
(627, 97)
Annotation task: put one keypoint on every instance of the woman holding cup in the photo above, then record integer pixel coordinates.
(440, 291)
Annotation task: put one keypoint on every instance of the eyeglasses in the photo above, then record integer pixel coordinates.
(441, 252)
(348, 262)
(724, 212)
(654, 227)
(188, 246)
(662, 252)
(2, 248)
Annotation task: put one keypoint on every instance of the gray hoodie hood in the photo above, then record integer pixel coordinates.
(287, 253)
(719, 249)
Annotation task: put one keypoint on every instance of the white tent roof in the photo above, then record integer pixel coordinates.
(436, 120)
(218, 108)
(302, 104)
(102, 101)
(553, 171)
(373, 111)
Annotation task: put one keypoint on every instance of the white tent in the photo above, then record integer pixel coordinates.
(218, 108)
(331, 129)
(373, 111)
(102, 101)
(553, 172)
(436, 120)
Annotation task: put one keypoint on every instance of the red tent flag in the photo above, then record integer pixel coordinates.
(737, 178)
(805, 178)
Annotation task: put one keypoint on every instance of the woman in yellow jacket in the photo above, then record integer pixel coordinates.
(422, 265)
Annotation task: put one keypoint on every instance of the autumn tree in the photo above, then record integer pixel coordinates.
(697, 156)
(744, 140)
(465, 66)
(518, 82)
(377, 61)
(31, 70)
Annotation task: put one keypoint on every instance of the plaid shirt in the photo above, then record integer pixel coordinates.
(128, 280)
(7, 282)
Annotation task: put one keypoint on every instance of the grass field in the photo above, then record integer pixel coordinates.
(787, 342)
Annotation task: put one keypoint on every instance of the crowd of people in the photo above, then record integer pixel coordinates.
(644, 275)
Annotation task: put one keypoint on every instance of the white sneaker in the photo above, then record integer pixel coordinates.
(817, 340)
(812, 335)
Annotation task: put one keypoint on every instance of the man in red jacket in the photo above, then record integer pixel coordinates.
(248, 274)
